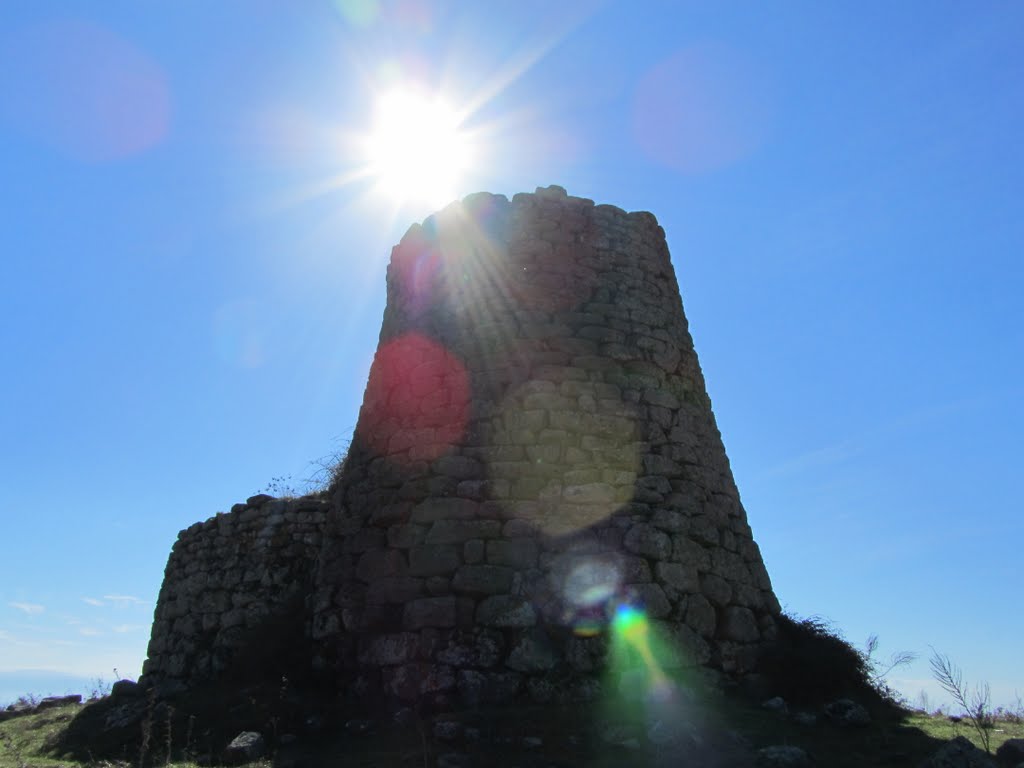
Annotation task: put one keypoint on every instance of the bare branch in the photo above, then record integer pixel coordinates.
(975, 704)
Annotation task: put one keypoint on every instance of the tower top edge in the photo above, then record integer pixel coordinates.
(552, 195)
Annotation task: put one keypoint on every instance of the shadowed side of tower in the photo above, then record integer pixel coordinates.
(535, 452)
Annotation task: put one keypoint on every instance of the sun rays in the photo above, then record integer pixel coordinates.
(417, 149)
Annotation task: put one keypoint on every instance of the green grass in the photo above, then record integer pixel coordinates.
(941, 727)
(899, 740)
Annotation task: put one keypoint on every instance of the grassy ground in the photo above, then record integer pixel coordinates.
(942, 727)
(562, 738)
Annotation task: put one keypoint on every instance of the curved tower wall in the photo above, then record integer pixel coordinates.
(535, 448)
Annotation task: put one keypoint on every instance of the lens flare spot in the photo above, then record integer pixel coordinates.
(240, 334)
(358, 13)
(591, 583)
(574, 488)
(631, 623)
(588, 626)
(85, 90)
(633, 638)
(417, 400)
(704, 108)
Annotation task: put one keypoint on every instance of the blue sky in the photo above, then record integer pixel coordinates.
(193, 281)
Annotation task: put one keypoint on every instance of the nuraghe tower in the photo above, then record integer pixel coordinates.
(535, 448)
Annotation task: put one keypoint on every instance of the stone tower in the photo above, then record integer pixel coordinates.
(534, 450)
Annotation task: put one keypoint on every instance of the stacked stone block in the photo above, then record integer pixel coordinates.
(230, 580)
(535, 448)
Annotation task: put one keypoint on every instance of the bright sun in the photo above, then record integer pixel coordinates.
(416, 150)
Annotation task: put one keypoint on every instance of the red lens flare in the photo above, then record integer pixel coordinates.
(417, 400)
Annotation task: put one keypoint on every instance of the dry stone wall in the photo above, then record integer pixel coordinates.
(535, 449)
(235, 587)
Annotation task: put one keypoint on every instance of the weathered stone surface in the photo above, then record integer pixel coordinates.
(386, 650)
(703, 531)
(236, 570)
(51, 702)
(653, 600)
(472, 648)
(669, 520)
(507, 611)
(958, 753)
(482, 579)
(661, 397)
(586, 654)
(847, 713)
(1011, 752)
(477, 688)
(406, 535)
(448, 730)
(430, 612)
(380, 564)
(700, 615)
(456, 760)
(740, 625)
(635, 570)
(717, 589)
(688, 552)
(518, 529)
(459, 531)
(590, 493)
(776, 704)
(783, 756)
(399, 589)
(125, 689)
(433, 560)
(459, 467)
(532, 653)
(648, 541)
(432, 510)
(520, 554)
(245, 748)
(688, 649)
(678, 576)
(409, 682)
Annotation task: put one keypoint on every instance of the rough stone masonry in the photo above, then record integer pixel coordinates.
(535, 449)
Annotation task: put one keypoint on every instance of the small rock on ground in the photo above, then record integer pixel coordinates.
(1011, 752)
(776, 704)
(958, 753)
(845, 713)
(782, 756)
(454, 760)
(244, 748)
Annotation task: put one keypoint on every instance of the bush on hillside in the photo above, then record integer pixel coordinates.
(810, 664)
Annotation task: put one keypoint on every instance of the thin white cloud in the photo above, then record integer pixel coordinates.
(93, 601)
(30, 608)
(89, 632)
(124, 599)
(814, 460)
(7, 637)
(128, 627)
